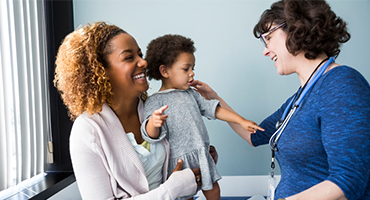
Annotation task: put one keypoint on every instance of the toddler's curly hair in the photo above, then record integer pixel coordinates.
(164, 50)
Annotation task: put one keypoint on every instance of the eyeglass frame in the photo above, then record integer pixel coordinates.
(263, 35)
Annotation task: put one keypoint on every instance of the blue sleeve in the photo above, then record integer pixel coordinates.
(269, 124)
(345, 127)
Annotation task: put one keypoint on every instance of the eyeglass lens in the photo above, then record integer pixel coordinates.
(263, 36)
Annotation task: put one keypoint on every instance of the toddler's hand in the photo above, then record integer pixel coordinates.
(158, 118)
(250, 126)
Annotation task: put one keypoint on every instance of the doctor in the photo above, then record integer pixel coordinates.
(320, 135)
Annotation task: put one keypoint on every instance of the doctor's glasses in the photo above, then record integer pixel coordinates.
(264, 35)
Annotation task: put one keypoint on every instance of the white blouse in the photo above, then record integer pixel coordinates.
(152, 160)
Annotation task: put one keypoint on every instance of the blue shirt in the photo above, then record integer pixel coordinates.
(327, 138)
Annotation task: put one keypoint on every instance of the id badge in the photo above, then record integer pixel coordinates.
(271, 187)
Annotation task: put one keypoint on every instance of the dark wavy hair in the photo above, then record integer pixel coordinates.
(312, 27)
(164, 50)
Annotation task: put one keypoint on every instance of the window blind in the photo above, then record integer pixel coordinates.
(24, 117)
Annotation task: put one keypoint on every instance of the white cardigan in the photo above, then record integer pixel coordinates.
(106, 165)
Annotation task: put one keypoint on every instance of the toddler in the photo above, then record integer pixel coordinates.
(175, 111)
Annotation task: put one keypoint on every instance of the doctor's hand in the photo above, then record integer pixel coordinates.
(197, 175)
(205, 90)
(213, 152)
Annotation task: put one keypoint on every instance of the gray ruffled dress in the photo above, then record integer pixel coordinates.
(185, 130)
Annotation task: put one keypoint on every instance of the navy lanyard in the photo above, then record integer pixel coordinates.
(290, 109)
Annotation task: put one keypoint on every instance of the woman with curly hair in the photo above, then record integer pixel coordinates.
(101, 76)
(320, 135)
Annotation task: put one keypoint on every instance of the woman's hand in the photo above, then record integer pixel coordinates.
(213, 152)
(197, 175)
(205, 90)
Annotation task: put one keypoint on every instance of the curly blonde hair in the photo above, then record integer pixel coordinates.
(81, 61)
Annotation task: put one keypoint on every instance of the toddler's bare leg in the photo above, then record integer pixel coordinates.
(214, 194)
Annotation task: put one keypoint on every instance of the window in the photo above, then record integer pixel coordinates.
(24, 110)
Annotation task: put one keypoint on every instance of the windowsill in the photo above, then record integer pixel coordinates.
(52, 183)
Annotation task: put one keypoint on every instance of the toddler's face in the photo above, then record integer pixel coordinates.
(181, 74)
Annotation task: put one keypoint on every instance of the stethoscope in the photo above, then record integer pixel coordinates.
(293, 106)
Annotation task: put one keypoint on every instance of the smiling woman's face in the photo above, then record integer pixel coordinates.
(127, 68)
(278, 52)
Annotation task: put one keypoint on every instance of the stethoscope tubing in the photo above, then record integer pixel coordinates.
(320, 72)
(285, 119)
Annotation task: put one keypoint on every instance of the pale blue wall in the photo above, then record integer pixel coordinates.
(228, 57)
